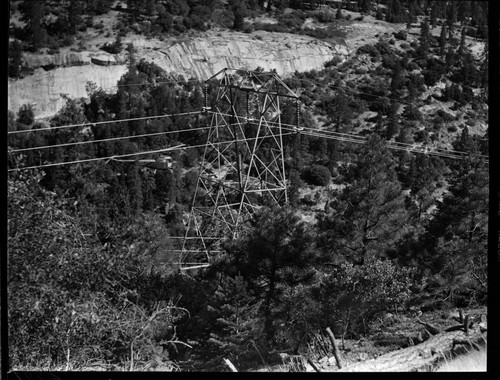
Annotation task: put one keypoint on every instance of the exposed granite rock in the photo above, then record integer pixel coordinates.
(197, 57)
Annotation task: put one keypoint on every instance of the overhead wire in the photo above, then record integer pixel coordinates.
(350, 137)
(107, 140)
(95, 123)
(140, 153)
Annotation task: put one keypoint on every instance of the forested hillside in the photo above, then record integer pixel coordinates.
(369, 231)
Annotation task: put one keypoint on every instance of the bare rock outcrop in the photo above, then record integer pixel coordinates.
(199, 57)
(69, 59)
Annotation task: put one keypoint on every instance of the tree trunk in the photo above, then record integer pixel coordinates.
(334, 346)
(420, 358)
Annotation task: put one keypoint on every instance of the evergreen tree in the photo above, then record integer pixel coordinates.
(425, 38)
(238, 325)
(462, 47)
(442, 41)
(451, 16)
(394, 12)
(433, 15)
(75, 10)
(275, 252)
(455, 244)
(397, 80)
(32, 14)
(15, 59)
(369, 216)
(463, 11)
(239, 10)
(26, 114)
(338, 15)
(365, 6)
(421, 178)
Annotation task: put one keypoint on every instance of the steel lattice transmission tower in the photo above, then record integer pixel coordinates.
(243, 163)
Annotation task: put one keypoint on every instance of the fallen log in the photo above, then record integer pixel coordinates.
(401, 342)
(432, 329)
(420, 358)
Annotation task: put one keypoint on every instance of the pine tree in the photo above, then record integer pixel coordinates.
(433, 15)
(369, 216)
(15, 59)
(456, 239)
(425, 38)
(239, 10)
(462, 47)
(442, 41)
(463, 11)
(239, 324)
(275, 252)
(394, 11)
(338, 15)
(33, 13)
(75, 11)
(451, 17)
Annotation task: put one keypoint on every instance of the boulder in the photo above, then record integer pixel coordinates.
(103, 60)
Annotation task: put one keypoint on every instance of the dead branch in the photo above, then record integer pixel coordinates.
(430, 328)
(230, 365)
(336, 352)
(311, 363)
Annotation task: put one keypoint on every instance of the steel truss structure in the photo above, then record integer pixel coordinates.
(243, 163)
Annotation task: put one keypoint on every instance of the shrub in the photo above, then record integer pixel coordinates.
(371, 50)
(317, 175)
(401, 35)
(324, 17)
(445, 115)
(351, 295)
(333, 62)
(26, 115)
(115, 47)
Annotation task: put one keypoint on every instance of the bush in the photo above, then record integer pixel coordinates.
(351, 295)
(401, 35)
(324, 17)
(26, 115)
(371, 50)
(80, 302)
(114, 48)
(333, 62)
(447, 117)
(317, 175)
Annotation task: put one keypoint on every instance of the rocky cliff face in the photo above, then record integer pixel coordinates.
(67, 74)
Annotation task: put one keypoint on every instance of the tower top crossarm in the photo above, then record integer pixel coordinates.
(254, 81)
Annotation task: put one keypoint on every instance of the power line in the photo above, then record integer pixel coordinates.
(392, 145)
(350, 137)
(345, 137)
(106, 140)
(141, 153)
(103, 122)
(90, 160)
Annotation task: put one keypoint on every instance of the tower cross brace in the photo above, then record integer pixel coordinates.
(243, 165)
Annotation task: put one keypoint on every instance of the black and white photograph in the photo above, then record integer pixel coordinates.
(248, 186)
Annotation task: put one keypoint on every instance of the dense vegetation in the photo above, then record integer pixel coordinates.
(87, 241)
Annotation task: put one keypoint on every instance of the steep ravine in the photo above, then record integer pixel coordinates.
(200, 57)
